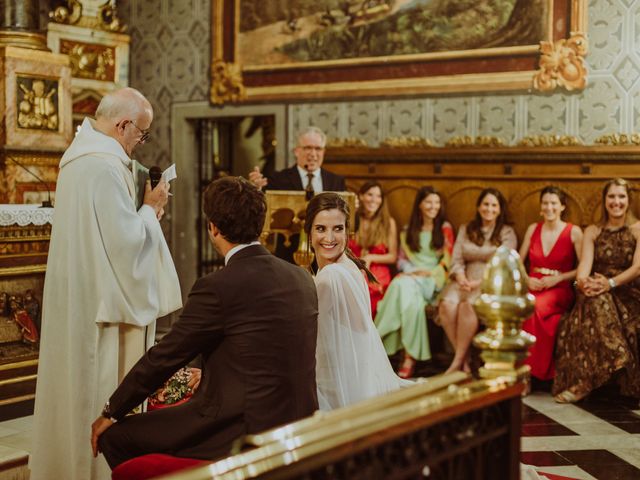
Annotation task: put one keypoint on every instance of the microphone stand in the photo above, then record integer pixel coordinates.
(45, 203)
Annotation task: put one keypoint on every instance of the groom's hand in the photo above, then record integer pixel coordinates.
(98, 428)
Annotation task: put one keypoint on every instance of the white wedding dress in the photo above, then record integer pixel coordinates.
(351, 363)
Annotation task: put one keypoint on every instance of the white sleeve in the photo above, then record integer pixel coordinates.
(351, 364)
(139, 269)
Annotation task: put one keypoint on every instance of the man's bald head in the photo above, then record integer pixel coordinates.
(126, 102)
(125, 115)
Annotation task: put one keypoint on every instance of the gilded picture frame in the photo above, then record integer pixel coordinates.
(245, 69)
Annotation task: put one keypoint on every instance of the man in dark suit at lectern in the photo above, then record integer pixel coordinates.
(254, 322)
(307, 174)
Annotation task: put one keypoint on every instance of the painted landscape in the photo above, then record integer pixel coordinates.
(280, 32)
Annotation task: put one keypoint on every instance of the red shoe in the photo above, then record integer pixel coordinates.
(408, 365)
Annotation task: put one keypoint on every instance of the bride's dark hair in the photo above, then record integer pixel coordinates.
(333, 201)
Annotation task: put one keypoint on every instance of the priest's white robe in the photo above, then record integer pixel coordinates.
(109, 277)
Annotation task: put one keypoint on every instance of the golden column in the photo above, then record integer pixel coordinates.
(503, 305)
(20, 24)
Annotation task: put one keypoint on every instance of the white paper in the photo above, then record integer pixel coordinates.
(170, 173)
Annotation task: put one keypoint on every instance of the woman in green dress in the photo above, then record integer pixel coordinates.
(423, 262)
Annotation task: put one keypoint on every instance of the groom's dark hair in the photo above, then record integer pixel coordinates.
(236, 207)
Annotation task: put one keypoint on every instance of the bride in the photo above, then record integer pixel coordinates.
(351, 363)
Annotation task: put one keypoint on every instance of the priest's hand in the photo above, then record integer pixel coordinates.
(158, 197)
(257, 178)
(98, 428)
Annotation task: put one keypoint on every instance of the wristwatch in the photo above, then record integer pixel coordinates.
(106, 412)
(612, 283)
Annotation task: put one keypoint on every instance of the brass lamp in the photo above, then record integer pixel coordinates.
(503, 306)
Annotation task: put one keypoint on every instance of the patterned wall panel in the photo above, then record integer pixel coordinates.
(169, 61)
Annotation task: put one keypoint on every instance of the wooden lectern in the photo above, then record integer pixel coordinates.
(285, 216)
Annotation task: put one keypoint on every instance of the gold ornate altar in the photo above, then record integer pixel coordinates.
(24, 242)
(90, 33)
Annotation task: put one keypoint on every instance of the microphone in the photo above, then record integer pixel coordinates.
(45, 203)
(155, 174)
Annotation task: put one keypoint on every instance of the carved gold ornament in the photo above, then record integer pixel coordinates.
(562, 64)
(37, 103)
(407, 142)
(92, 61)
(226, 82)
(347, 142)
(618, 139)
(549, 141)
(106, 17)
(481, 141)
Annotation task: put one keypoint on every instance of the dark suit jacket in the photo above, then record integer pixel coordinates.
(254, 322)
(289, 179)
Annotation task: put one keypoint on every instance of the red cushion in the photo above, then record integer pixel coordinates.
(152, 465)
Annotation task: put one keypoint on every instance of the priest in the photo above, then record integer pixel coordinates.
(109, 277)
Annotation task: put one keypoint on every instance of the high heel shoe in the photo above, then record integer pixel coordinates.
(568, 396)
(408, 366)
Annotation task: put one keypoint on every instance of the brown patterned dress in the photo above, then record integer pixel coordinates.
(598, 340)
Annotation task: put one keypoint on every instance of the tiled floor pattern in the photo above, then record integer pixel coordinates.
(598, 438)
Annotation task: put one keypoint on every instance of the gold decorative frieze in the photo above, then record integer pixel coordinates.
(349, 142)
(618, 139)
(37, 103)
(481, 141)
(407, 142)
(94, 14)
(562, 64)
(226, 82)
(549, 141)
(90, 60)
(40, 159)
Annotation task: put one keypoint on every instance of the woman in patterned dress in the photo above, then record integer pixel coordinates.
(598, 341)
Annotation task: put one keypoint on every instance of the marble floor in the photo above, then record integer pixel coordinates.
(598, 438)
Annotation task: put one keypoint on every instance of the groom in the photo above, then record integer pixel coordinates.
(254, 322)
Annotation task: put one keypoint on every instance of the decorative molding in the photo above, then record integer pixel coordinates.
(562, 64)
(619, 139)
(407, 142)
(481, 141)
(40, 159)
(347, 142)
(226, 82)
(549, 141)
(102, 17)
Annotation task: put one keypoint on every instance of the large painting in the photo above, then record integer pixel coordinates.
(289, 49)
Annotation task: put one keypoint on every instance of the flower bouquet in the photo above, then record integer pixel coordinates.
(175, 391)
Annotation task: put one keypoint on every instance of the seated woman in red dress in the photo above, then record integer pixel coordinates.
(553, 248)
(376, 241)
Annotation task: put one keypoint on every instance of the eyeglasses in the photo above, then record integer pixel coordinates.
(146, 134)
(311, 148)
